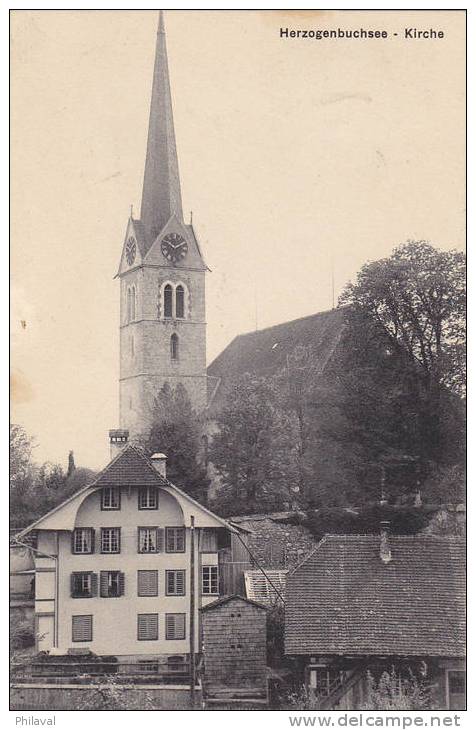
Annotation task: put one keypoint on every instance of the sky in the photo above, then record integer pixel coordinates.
(301, 160)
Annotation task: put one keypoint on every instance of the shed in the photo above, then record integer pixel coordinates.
(234, 651)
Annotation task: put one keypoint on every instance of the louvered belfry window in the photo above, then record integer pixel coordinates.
(147, 583)
(112, 584)
(150, 540)
(175, 626)
(148, 626)
(175, 582)
(82, 628)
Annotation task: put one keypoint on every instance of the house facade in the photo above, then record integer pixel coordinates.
(361, 603)
(122, 566)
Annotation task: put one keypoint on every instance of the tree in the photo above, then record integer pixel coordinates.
(412, 305)
(418, 298)
(254, 450)
(177, 431)
(71, 465)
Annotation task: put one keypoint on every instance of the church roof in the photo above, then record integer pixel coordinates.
(161, 195)
(267, 352)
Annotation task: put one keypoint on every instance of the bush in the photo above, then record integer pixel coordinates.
(22, 635)
(394, 692)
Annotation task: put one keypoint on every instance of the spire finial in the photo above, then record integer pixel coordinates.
(191, 217)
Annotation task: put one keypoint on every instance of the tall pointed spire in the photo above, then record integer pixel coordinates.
(161, 195)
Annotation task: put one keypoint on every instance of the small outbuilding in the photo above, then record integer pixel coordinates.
(234, 651)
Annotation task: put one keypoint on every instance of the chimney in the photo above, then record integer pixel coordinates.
(118, 438)
(159, 464)
(385, 552)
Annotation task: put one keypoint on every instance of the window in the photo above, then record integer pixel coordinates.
(210, 579)
(110, 498)
(82, 628)
(84, 585)
(147, 583)
(112, 583)
(148, 626)
(148, 498)
(175, 626)
(129, 305)
(179, 302)
(174, 582)
(150, 540)
(110, 539)
(456, 690)
(168, 301)
(208, 540)
(82, 541)
(174, 347)
(175, 539)
(133, 304)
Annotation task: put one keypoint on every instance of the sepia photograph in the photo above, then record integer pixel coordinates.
(238, 361)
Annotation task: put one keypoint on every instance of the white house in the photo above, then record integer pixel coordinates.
(123, 565)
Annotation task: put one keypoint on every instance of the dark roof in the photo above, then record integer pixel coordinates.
(343, 599)
(267, 351)
(226, 599)
(132, 468)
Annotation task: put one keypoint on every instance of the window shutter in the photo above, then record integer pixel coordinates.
(72, 541)
(122, 584)
(82, 628)
(93, 532)
(170, 626)
(147, 583)
(104, 583)
(73, 579)
(148, 626)
(160, 539)
(180, 582)
(94, 585)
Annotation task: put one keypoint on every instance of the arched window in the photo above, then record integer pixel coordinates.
(179, 302)
(168, 301)
(129, 305)
(174, 347)
(133, 303)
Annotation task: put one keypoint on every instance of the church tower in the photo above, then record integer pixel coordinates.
(162, 277)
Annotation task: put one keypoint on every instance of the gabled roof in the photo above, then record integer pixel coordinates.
(131, 467)
(269, 351)
(227, 599)
(343, 599)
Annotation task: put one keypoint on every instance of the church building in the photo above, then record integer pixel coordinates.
(162, 278)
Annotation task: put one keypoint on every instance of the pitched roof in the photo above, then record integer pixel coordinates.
(268, 351)
(226, 599)
(132, 467)
(343, 599)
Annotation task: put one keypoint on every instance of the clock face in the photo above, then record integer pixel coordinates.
(130, 251)
(174, 247)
